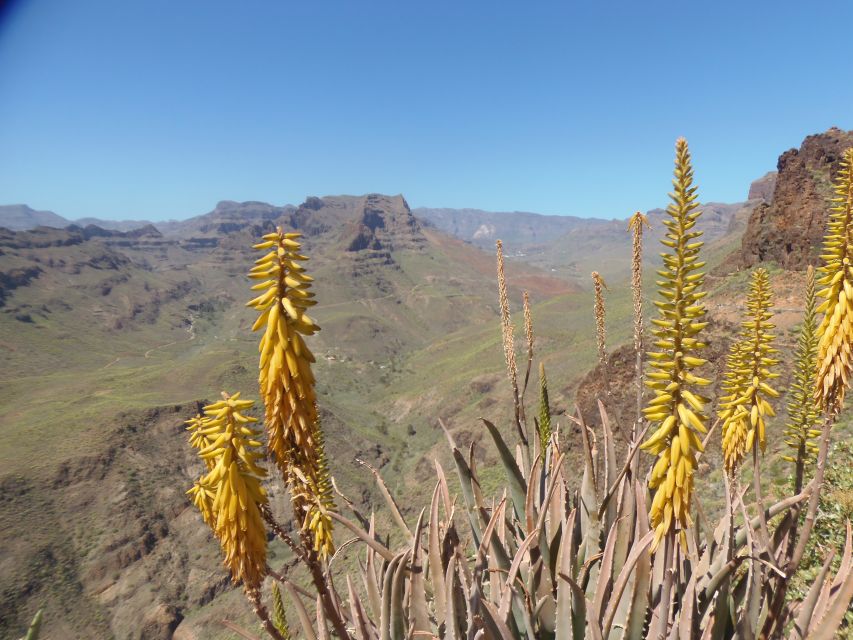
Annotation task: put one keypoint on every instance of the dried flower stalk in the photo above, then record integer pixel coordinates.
(600, 327)
(508, 335)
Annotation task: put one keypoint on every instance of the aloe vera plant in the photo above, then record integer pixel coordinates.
(553, 558)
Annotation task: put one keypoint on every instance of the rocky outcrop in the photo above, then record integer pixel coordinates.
(362, 224)
(762, 189)
(14, 278)
(789, 229)
(385, 222)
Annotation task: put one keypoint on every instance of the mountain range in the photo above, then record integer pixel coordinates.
(112, 335)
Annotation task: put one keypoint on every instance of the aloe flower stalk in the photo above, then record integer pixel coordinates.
(599, 286)
(544, 409)
(747, 405)
(287, 382)
(230, 495)
(635, 226)
(677, 410)
(803, 414)
(835, 332)
(508, 338)
(279, 617)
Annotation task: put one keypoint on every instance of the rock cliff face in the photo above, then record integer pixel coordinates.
(373, 222)
(762, 189)
(789, 229)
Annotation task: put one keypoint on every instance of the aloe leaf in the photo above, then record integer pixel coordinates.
(498, 628)
(544, 549)
(389, 499)
(322, 627)
(436, 570)
(506, 600)
(749, 615)
(35, 626)
(557, 504)
(806, 610)
(637, 561)
(385, 632)
(451, 630)
(583, 626)
(838, 608)
(371, 584)
(359, 618)
(639, 602)
(418, 609)
(445, 491)
(601, 587)
(625, 516)
(301, 613)
(397, 625)
(481, 565)
(531, 513)
(466, 481)
(686, 626)
(565, 566)
(609, 462)
(515, 480)
(365, 536)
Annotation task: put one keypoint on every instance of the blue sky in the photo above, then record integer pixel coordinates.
(158, 109)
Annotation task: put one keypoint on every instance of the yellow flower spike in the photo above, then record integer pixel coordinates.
(287, 384)
(230, 495)
(835, 331)
(803, 412)
(743, 408)
(671, 412)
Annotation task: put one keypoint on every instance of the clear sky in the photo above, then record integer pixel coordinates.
(159, 108)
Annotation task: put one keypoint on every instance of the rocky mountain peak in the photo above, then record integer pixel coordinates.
(789, 228)
(373, 222)
(385, 222)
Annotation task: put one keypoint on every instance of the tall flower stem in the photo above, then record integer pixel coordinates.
(635, 225)
(508, 335)
(676, 412)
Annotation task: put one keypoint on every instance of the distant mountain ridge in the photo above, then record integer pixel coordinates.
(565, 245)
(20, 217)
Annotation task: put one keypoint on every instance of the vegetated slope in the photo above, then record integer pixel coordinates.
(109, 339)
